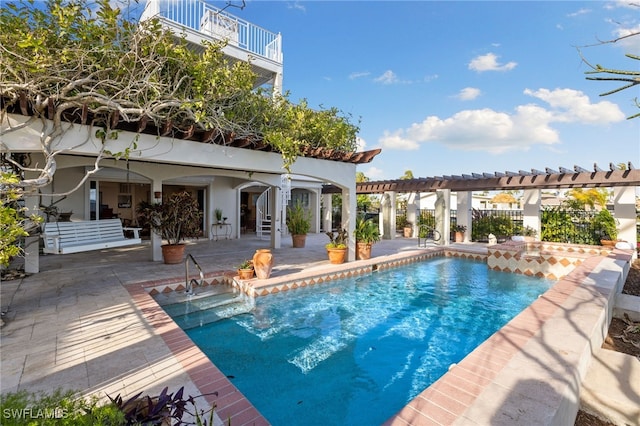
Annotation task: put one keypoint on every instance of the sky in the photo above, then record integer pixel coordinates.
(446, 88)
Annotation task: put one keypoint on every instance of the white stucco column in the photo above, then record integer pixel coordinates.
(388, 216)
(156, 239)
(531, 202)
(209, 215)
(412, 210)
(32, 243)
(277, 221)
(624, 208)
(314, 206)
(463, 212)
(443, 215)
(327, 204)
(349, 206)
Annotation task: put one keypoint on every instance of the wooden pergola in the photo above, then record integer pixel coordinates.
(577, 177)
(623, 179)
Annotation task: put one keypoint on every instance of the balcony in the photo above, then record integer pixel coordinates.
(199, 21)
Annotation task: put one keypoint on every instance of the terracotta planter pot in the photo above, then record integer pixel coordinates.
(337, 255)
(459, 237)
(263, 263)
(173, 253)
(298, 240)
(363, 251)
(245, 274)
(407, 232)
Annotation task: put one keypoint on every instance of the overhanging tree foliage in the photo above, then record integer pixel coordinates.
(66, 57)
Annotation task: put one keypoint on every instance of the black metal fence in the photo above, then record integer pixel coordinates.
(557, 224)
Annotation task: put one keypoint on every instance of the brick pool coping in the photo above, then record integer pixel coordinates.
(469, 392)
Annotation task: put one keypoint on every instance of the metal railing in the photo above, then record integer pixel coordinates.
(207, 19)
(192, 281)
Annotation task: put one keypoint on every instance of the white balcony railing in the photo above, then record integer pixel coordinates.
(217, 23)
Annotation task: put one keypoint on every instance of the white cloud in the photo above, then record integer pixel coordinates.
(297, 6)
(625, 4)
(631, 43)
(579, 12)
(396, 140)
(489, 62)
(360, 143)
(388, 77)
(374, 173)
(355, 75)
(500, 132)
(574, 106)
(468, 94)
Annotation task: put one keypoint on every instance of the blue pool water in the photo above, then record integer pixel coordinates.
(356, 351)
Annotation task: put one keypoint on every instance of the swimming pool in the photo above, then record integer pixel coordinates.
(357, 350)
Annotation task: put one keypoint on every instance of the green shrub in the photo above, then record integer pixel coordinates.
(59, 408)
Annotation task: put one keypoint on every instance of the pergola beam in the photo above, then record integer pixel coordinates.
(537, 179)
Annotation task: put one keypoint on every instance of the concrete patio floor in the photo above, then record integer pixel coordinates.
(75, 326)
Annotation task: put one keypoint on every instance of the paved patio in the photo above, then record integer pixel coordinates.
(77, 326)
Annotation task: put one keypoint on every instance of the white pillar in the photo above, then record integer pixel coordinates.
(463, 212)
(156, 239)
(32, 243)
(412, 211)
(277, 222)
(327, 203)
(209, 215)
(388, 216)
(349, 211)
(531, 202)
(624, 208)
(314, 206)
(443, 215)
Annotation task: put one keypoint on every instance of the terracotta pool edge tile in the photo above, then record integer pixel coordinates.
(513, 337)
(186, 350)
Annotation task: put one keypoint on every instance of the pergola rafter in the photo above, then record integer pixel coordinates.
(577, 177)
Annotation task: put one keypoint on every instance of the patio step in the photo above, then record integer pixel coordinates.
(199, 312)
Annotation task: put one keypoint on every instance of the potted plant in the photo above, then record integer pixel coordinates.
(218, 214)
(604, 228)
(177, 218)
(459, 231)
(245, 270)
(366, 233)
(405, 225)
(337, 246)
(298, 224)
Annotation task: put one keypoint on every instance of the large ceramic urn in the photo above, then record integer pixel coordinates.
(263, 263)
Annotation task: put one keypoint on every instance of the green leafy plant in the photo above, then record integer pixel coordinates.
(166, 408)
(458, 228)
(485, 223)
(218, 214)
(604, 226)
(14, 225)
(79, 55)
(402, 222)
(246, 264)
(337, 239)
(298, 219)
(175, 219)
(58, 408)
(366, 231)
